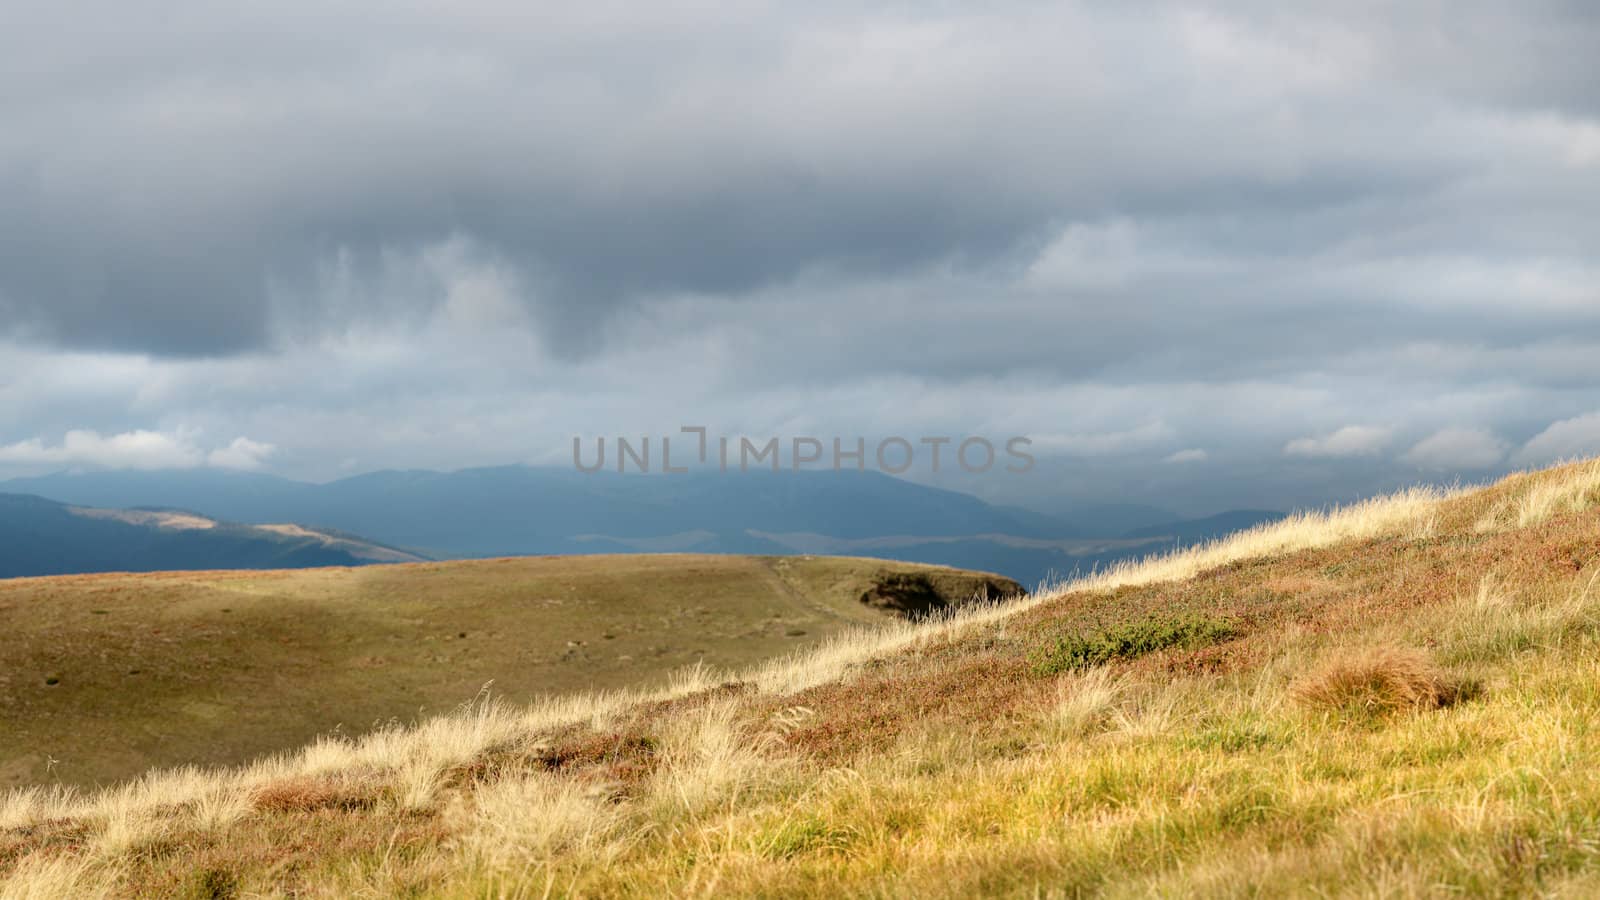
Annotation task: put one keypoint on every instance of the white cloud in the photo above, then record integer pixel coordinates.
(1192, 455)
(140, 449)
(243, 453)
(1351, 440)
(129, 450)
(1577, 436)
(1458, 448)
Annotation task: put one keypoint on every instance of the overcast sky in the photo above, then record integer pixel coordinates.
(1204, 255)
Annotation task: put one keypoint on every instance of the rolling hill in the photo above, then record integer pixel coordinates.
(104, 676)
(1396, 698)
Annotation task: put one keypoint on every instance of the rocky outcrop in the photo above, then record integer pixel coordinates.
(917, 595)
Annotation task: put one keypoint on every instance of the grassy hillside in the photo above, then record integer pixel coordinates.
(1401, 698)
(104, 676)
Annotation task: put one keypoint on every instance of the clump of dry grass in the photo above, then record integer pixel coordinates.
(706, 757)
(42, 877)
(29, 806)
(1379, 681)
(1572, 487)
(519, 822)
(304, 793)
(1084, 701)
(1501, 620)
(215, 810)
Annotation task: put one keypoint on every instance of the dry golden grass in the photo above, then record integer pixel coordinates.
(45, 877)
(1086, 701)
(1410, 513)
(1377, 680)
(932, 760)
(1577, 492)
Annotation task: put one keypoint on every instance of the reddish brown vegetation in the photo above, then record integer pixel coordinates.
(1379, 680)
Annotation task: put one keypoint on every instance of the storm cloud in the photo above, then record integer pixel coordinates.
(1337, 246)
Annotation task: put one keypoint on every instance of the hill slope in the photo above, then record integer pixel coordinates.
(1185, 532)
(104, 676)
(43, 537)
(1394, 699)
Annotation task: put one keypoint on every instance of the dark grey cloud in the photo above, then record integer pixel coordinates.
(179, 181)
(445, 234)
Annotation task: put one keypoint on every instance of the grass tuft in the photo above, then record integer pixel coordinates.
(1084, 702)
(211, 884)
(307, 794)
(1377, 681)
(55, 877)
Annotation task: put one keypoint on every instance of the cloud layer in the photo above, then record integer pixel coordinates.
(1332, 246)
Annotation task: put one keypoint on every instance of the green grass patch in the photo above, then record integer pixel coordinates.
(1234, 738)
(808, 834)
(1074, 652)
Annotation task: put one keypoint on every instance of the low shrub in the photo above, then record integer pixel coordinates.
(1075, 652)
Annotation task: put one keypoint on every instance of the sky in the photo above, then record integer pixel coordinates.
(1202, 255)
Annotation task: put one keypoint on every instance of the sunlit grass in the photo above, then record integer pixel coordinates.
(1434, 729)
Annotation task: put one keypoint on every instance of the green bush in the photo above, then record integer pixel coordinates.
(1073, 652)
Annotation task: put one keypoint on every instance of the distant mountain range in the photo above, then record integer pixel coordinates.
(43, 537)
(517, 510)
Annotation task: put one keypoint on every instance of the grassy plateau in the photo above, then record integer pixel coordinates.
(105, 676)
(1397, 698)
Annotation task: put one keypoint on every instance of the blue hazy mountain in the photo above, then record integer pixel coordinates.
(44, 537)
(514, 510)
(493, 511)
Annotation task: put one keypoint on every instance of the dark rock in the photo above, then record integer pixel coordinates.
(917, 595)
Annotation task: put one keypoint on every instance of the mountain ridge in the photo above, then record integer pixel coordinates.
(514, 510)
(41, 537)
